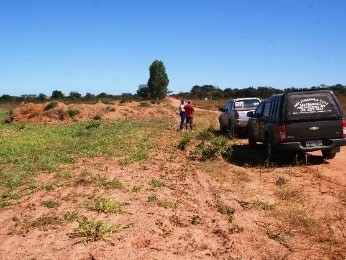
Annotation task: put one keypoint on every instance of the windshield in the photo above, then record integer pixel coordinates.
(311, 106)
(246, 103)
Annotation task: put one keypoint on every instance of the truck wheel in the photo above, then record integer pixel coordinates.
(222, 127)
(252, 142)
(272, 154)
(328, 154)
(268, 153)
(231, 130)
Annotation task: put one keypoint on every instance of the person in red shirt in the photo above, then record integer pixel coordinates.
(189, 111)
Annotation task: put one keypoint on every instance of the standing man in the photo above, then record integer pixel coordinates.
(182, 114)
(189, 110)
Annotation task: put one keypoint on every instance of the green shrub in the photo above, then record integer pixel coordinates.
(73, 112)
(184, 141)
(51, 105)
(213, 147)
(50, 204)
(97, 117)
(93, 124)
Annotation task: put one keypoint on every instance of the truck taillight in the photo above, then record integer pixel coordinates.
(282, 137)
(236, 115)
(344, 128)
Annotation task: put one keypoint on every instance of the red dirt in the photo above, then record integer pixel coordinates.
(191, 225)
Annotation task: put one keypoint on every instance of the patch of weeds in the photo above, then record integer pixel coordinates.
(318, 175)
(51, 105)
(109, 109)
(46, 220)
(165, 203)
(195, 219)
(73, 216)
(297, 217)
(97, 117)
(105, 205)
(63, 175)
(184, 141)
(257, 204)
(52, 186)
(278, 237)
(290, 193)
(280, 181)
(157, 183)
(212, 148)
(73, 112)
(21, 126)
(241, 175)
(205, 134)
(107, 183)
(144, 104)
(162, 203)
(93, 124)
(7, 198)
(137, 188)
(90, 231)
(4, 202)
(84, 178)
(152, 198)
(164, 228)
(50, 204)
(225, 209)
(292, 171)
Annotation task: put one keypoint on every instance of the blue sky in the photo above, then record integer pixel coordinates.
(95, 46)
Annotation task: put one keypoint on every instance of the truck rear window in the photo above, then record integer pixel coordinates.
(246, 103)
(304, 106)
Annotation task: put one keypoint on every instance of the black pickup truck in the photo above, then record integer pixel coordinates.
(299, 122)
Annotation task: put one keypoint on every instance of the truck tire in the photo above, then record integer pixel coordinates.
(328, 154)
(272, 154)
(252, 142)
(231, 130)
(268, 151)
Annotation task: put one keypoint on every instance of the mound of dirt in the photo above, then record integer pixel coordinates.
(58, 111)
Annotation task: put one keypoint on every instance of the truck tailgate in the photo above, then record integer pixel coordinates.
(326, 129)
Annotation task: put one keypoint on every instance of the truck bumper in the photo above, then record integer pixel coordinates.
(296, 146)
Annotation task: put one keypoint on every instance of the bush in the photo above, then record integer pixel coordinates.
(72, 112)
(184, 141)
(213, 147)
(51, 105)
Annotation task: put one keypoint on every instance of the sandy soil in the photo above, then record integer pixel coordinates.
(205, 210)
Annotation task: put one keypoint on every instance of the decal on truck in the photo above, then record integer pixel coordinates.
(311, 105)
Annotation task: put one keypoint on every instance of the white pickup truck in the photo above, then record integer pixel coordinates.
(233, 117)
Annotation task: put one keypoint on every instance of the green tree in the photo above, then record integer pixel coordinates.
(143, 91)
(57, 94)
(41, 97)
(89, 96)
(158, 80)
(75, 95)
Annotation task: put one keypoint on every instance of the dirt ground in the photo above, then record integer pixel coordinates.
(206, 210)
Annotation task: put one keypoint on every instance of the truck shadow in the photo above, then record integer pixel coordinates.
(243, 155)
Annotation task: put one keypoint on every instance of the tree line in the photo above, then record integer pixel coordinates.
(157, 89)
(212, 92)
